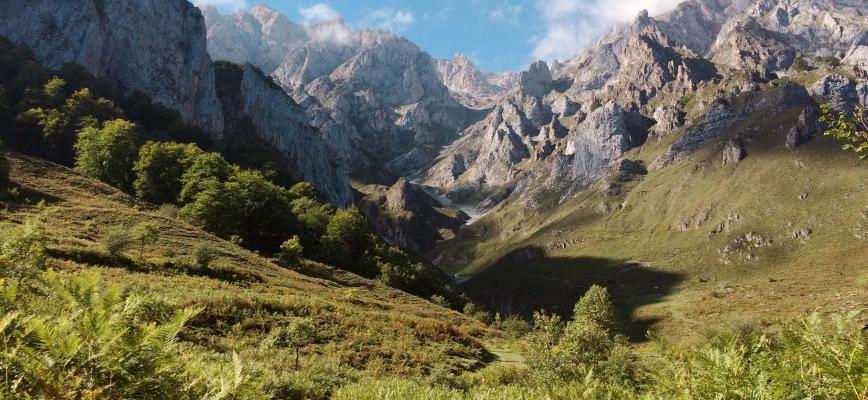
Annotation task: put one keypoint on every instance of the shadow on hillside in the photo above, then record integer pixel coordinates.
(526, 280)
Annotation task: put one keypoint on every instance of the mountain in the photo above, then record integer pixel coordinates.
(117, 41)
(108, 39)
(683, 177)
(377, 95)
(471, 86)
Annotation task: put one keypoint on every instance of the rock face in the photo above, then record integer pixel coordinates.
(733, 152)
(840, 92)
(377, 95)
(249, 97)
(406, 216)
(156, 47)
(650, 61)
(806, 127)
(463, 78)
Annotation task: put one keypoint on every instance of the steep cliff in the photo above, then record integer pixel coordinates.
(156, 47)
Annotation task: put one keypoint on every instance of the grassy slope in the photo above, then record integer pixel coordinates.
(686, 286)
(361, 324)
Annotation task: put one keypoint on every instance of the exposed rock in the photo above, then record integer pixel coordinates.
(156, 47)
(597, 143)
(710, 126)
(840, 92)
(536, 81)
(650, 61)
(628, 170)
(401, 196)
(248, 95)
(805, 128)
(748, 46)
(461, 76)
(668, 119)
(803, 234)
(733, 152)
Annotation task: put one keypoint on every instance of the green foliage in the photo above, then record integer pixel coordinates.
(204, 168)
(116, 241)
(831, 61)
(145, 233)
(247, 205)
(800, 65)
(596, 307)
(291, 250)
(160, 168)
(851, 129)
(203, 255)
(88, 343)
(478, 313)
(22, 251)
(811, 359)
(346, 239)
(107, 153)
(296, 334)
(587, 344)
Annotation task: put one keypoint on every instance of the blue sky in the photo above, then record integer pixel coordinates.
(498, 35)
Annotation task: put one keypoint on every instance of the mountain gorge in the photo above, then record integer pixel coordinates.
(682, 164)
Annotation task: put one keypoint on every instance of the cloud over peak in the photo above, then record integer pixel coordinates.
(389, 19)
(573, 24)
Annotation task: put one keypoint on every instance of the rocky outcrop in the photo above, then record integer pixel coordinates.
(596, 144)
(650, 61)
(250, 97)
(805, 128)
(406, 216)
(711, 125)
(747, 46)
(462, 77)
(668, 118)
(156, 47)
(839, 92)
(733, 152)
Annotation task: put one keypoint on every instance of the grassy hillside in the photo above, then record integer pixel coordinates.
(694, 245)
(362, 326)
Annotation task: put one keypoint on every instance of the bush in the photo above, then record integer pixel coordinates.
(203, 255)
(800, 65)
(291, 251)
(88, 345)
(587, 344)
(117, 241)
(831, 61)
(22, 251)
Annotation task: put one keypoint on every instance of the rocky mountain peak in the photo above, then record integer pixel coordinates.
(537, 80)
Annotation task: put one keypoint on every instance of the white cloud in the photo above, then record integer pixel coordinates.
(222, 4)
(573, 24)
(319, 12)
(506, 13)
(389, 19)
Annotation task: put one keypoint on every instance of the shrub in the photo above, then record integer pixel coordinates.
(168, 211)
(297, 334)
(800, 65)
(853, 130)
(145, 233)
(117, 241)
(22, 251)
(831, 61)
(291, 250)
(88, 345)
(203, 255)
(596, 307)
